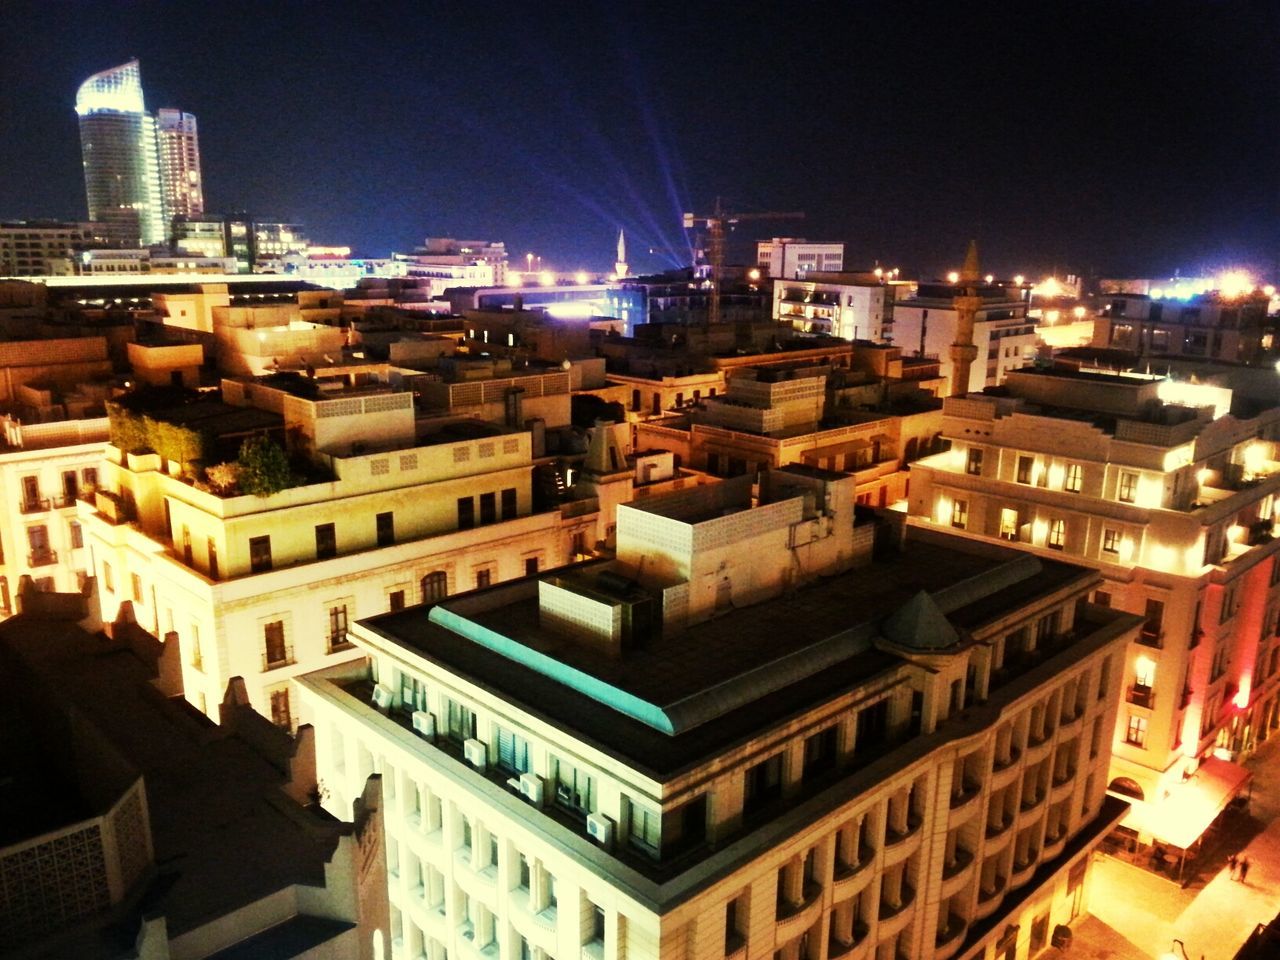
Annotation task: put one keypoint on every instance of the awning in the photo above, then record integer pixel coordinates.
(1180, 819)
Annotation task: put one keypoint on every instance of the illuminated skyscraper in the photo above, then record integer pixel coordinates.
(180, 177)
(121, 163)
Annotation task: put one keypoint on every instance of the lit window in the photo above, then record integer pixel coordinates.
(1057, 535)
(1136, 733)
(1128, 490)
(974, 463)
(1024, 469)
(1008, 524)
(1071, 482)
(1110, 541)
(960, 513)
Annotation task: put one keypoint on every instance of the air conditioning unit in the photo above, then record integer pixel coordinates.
(383, 696)
(475, 753)
(424, 724)
(600, 829)
(531, 788)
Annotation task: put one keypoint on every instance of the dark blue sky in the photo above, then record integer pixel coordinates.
(1112, 138)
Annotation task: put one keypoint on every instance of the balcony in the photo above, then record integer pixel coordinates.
(1141, 695)
(33, 504)
(1151, 638)
(275, 659)
(42, 558)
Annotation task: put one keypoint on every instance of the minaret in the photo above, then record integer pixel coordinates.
(621, 268)
(966, 302)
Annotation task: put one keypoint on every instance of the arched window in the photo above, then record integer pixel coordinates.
(435, 586)
(1126, 788)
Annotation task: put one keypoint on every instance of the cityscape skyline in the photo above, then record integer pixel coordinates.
(648, 121)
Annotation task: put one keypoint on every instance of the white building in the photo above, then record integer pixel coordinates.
(792, 257)
(852, 306)
(741, 739)
(1005, 337)
(178, 142)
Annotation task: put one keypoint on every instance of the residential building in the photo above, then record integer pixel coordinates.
(378, 516)
(1003, 336)
(134, 830)
(792, 258)
(836, 418)
(39, 248)
(1168, 488)
(1204, 326)
(852, 306)
(178, 140)
(744, 737)
(201, 236)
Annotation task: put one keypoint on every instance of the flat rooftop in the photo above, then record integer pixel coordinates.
(721, 681)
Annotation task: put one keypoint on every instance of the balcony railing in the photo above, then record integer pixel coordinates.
(1141, 695)
(42, 558)
(1151, 638)
(275, 659)
(33, 504)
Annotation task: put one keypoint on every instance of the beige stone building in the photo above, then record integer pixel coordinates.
(263, 586)
(1169, 489)
(743, 738)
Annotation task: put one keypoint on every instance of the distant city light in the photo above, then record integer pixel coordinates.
(1269, 290)
(754, 273)
(1049, 287)
(547, 279)
(1019, 280)
(877, 271)
(953, 277)
(1079, 313)
(515, 280)
(581, 277)
(1235, 283)
(989, 278)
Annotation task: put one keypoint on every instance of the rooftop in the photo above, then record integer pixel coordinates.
(723, 680)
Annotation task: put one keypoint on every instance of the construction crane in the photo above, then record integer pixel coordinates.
(715, 224)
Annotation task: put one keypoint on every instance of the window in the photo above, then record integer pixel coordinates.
(1102, 598)
(276, 652)
(820, 753)
(326, 541)
(488, 507)
(386, 529)
(959, 513)
(280, 708)
(90, 477)
(77, 535)
(435, 586)
(460, 721)
(1008, 524)
(1073, 479)
(1154, 625)
(259, 554)
(509, 503)
(735, 937)
(1024, 469)
(213, 559)
(763, 784)
(338, 627)
(466, 513)
(395, 600)
(1128, 488)
(1110, 541)
(484, 577)
(70, 485)
(1057, 535)
(575, 790)
(513, 752)
(107, 580)
(974, 463)
(530, 566)
(646, 829)
(1136, 733)
(136, 581)
(1144, 672)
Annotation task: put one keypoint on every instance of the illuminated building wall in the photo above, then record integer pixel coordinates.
(830, 304)
(1175, 504)
(41, 248)
(180, 179)
(790, 258)
(121, 162)
(548, 798)
(1205, 325)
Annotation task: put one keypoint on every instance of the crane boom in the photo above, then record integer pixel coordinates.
(715, 224)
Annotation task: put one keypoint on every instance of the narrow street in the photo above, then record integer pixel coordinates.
(1136, 913)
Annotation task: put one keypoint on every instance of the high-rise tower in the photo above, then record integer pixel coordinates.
(121, 163)
(180, 179)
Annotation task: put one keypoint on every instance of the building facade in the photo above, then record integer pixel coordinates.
(846, 305)
(1170, 492)
(791, 258)
(579, 766)
(178, 140)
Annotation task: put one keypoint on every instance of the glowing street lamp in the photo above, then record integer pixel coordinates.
(546, 279)
(953, 277)
(1019, 280)
(528, 263)
(753, 274)
(580, 277)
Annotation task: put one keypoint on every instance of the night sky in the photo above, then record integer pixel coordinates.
(1119, 138)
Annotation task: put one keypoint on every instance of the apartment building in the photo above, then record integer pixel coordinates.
(743, 737)
(376, 517)
(1168, 488)
(1005, 337)
(41, 248)
(792, 257)
(1207, 325)
(841, 419)
(852, 306)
